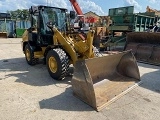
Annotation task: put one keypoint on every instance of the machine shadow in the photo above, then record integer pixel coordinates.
(31, 75)
(151, 80)
(17, 69)
(64, 101)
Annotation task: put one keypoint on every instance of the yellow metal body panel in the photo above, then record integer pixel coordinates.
(66, 43)
(25, 36)
(38, 54)
(81, 46)
(89, 41)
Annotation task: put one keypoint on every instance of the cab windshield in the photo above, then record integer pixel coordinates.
(56, 16)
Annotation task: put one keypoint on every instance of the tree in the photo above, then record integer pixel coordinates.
(21, 15)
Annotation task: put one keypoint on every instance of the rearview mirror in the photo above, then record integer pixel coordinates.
(72, 14)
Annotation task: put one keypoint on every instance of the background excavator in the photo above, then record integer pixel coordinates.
(96, 80)
(80, 14)
(90, 22)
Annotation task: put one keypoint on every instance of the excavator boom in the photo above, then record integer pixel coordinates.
(76, 7)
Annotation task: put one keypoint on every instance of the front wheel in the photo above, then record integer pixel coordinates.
(30, 56)
(57, 63)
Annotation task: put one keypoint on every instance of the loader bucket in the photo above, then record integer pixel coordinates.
(3, 34)
(99, 81)
(145, 46)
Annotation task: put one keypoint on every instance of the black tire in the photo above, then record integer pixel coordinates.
(30, 56)
(60, 68)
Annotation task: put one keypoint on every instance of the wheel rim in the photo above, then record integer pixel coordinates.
(52, 64)
(28, 55)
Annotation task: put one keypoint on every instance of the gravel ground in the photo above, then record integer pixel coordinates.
(29, 93)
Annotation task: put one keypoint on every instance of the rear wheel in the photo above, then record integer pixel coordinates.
(57, 63)
(30, 56)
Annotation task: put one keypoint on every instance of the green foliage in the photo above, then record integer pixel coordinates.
(19, 14)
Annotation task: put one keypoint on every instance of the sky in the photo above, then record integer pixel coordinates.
(100, 7)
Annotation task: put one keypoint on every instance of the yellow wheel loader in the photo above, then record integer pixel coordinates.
(96, 80)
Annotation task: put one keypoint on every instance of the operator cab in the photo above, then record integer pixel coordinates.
(41, 18)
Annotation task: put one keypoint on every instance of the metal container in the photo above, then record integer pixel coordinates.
(124, 19)
(121, 11)
(7, 26)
